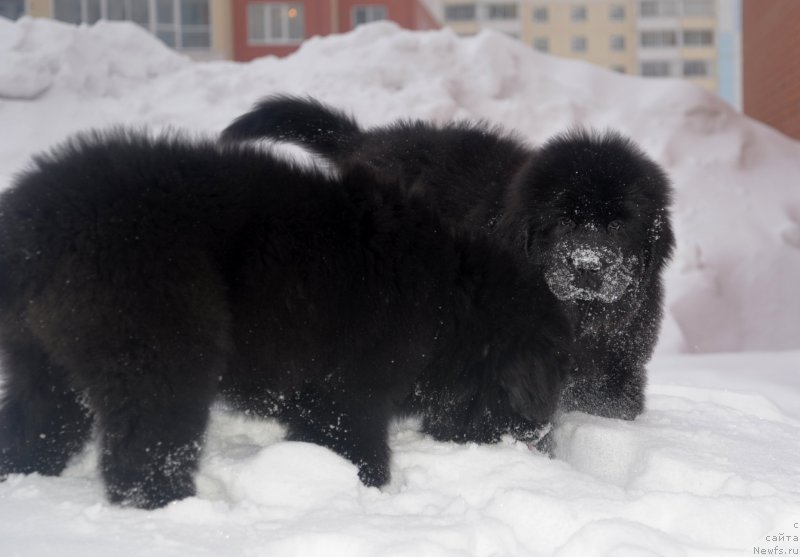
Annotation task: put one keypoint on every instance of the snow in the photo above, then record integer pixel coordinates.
(711, 467)
(703, 471)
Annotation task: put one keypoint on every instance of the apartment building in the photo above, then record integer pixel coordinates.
(469, 17)
(601, 32)
(678, 39)
(199, 28)
(230, 29)
(698, 40)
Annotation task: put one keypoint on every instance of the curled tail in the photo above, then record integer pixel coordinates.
(305, 122)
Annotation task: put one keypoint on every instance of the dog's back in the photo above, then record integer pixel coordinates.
(110, 221)
(461, 168)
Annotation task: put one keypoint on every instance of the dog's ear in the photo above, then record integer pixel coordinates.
(526, 241)
(532, 243)
(660, 244)
(514, 229)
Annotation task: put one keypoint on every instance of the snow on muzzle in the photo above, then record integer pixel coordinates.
(589, 272)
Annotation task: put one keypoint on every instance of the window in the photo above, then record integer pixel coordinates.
(698, 37)
(183, 24)
(698, 8)
(696, 68)
(648, 8)
(654, 8)
(658, 39)
(542, 44)
(656, 68)
(129, 10)
(617, 42)
(90, 11)
(579, 13)
(579, 44)
(502, 11)
(616, 13)
(94, 12)
(459, 12)
(116, 9)
(195, 24)
(275, 22)
(540, 14)
(366, 14)
(69, 11)
(165, 22)
(12, 9)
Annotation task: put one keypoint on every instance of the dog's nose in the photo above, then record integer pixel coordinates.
(585, 260)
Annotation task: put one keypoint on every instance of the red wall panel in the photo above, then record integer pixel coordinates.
(320, 20)
(771, 63)
(317, 21)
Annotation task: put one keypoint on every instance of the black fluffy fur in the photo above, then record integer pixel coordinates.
(142, 277)
(589, 211)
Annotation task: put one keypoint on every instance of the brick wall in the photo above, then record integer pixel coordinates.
(771, 63)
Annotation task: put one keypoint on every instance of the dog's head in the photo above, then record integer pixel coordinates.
(593, 211)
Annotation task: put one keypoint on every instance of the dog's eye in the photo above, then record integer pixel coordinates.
(615, 225)
(566, 222)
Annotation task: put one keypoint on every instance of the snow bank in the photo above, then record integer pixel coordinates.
(738, 205)
(704, 471)
(103, 59)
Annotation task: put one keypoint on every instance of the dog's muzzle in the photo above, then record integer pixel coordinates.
(589, 272)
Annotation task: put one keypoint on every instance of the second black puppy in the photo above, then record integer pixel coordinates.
(590, 212)
(140, 278)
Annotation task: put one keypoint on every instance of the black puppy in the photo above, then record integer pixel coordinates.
(591, 211)
(141, 277)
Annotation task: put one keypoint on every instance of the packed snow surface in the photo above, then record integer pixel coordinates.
(705, 471)
(711, 468)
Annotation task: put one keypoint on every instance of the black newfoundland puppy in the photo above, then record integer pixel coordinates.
(590, 211)
(141, 277)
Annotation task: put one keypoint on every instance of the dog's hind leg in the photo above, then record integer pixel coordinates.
(149, 347)
(42, 419)
(153, 422)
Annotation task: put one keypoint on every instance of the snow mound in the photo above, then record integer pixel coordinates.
(102, 59)
(697, 474)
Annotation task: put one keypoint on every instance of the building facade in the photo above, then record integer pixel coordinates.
(771, 63)
(698, 40)
(230, 29)
(603, 32)
(679, 39)
(199, 28)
